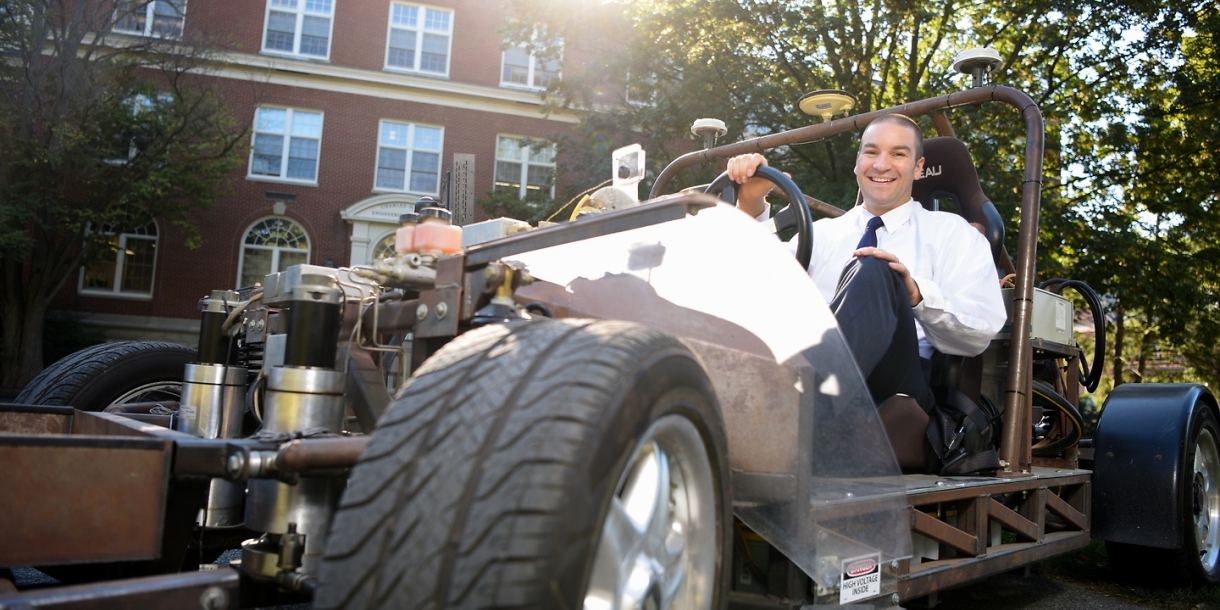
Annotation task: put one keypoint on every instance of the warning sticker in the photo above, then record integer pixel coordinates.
(861, 579)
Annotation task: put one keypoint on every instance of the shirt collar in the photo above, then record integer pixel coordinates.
(893, 219)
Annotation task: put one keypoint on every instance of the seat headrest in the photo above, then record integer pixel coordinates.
(948, 171)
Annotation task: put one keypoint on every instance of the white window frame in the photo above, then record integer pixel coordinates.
(410, 157)
(150, 15)
(532, 69)
(386, 243)
(120, 266)
(524, 144)
(420, 30)
(286, 143)
(276, 250)
(300, 9)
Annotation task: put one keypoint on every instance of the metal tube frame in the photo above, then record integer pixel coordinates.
(1015, 453)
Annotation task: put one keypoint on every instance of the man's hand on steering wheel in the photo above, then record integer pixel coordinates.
(757, 180)
(752, 191)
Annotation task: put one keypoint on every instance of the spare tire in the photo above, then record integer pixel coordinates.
(111, 373)
(540, 464)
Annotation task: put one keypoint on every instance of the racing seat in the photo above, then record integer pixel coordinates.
(949, 183)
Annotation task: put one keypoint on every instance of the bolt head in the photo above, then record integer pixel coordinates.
(421, 312)
(214, 598)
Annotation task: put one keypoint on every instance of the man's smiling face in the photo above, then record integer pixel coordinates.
(886, 165)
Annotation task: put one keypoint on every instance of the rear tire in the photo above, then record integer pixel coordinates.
(539, 464)
(1197, 562)
(99, 376)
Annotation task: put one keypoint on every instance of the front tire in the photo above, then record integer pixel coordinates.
(545, 464)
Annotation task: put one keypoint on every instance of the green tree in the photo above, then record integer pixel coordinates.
(1142, 219)
(1126, 88)
(94, 129)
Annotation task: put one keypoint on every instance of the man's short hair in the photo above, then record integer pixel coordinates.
(905, 121)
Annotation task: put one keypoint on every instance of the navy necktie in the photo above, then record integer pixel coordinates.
(869, 239)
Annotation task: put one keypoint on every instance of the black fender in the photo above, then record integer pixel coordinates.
(1139, 447)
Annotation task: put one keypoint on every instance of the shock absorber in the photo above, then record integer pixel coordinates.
(213, 402)
(304, 398)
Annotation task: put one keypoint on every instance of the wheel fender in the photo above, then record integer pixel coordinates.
(1140, 443)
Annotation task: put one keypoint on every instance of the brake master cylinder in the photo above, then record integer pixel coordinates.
(304, 397)
(213, 401)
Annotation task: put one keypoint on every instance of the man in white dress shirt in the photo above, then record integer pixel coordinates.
(921, 280)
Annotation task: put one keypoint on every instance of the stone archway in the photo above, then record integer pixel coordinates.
(371, 220)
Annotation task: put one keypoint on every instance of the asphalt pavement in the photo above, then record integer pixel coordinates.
(1015, 590)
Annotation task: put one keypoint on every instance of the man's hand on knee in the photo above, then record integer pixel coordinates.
(895, 264)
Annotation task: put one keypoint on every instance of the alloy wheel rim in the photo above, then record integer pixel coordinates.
(149, 392)
(1206, 500)
(658, 544)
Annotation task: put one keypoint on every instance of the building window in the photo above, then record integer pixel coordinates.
(641, 92)
(409, 157)
(299, 27)
(160, 18)
(272, 245)
(128, 261)
(419, 39)
(525, 168)
(523, 69)
(286, 143)
(384, 248)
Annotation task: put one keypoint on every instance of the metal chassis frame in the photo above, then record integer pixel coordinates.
(980, 552)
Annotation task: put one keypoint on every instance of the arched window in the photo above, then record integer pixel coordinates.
(384, 248)
(271, 245)
(128, 262)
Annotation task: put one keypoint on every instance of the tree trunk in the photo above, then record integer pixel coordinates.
(1118, 347)
(21, 359)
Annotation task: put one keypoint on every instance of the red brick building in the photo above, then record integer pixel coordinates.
(356, 109)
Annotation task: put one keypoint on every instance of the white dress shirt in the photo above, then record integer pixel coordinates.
(949, 259)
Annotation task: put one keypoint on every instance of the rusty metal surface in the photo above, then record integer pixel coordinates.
(392, 316)
(35, 423)
(936, 529)
(305, 455)
(366, 388)
(163, 421)
(927, 489)
(35, 419)
(213, 590)
(70, 498)
(926, 579)
(975, 505)
(113, 424)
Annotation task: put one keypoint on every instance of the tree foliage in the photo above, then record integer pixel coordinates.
(95, 128)
(1127, 89)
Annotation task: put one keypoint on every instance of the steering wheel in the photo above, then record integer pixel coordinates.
(796, 214)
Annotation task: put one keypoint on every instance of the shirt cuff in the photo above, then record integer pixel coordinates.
(765, 214)
(933, 298)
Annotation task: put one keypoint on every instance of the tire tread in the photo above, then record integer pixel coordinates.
(462, 443)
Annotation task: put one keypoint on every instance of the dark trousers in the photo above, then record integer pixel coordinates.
(875, 318)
